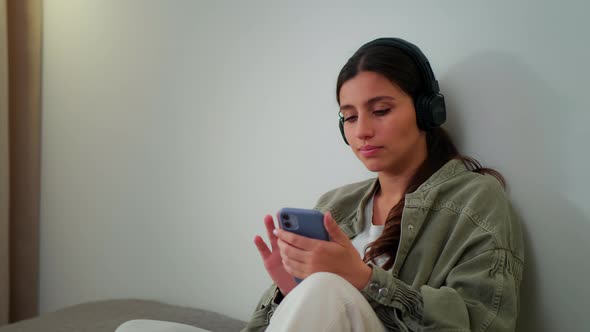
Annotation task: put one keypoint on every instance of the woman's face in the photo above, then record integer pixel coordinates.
(380, 123)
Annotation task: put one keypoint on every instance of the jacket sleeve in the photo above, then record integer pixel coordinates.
(264, 310)
(480, 294)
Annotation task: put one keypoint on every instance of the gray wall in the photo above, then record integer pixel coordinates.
(171, 127)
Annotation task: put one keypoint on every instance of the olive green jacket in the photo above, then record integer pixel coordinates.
(459, 262)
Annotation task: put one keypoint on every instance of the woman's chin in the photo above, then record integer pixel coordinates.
(373, 167)
(378, 166)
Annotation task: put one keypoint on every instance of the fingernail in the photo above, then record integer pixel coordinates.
(275, 232)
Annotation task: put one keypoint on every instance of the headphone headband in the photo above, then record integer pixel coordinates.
(415, 54)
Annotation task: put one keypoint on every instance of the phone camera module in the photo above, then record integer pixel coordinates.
(289, 221)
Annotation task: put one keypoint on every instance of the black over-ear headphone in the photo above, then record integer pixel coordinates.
(430, 103)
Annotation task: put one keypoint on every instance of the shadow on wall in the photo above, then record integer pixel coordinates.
(500, 97)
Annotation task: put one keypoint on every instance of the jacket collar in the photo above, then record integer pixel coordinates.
(355, 224)
(449, 170)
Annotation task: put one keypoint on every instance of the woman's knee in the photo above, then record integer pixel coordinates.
(143, 325)
(326, 282)
(129, 326)
(324, 278)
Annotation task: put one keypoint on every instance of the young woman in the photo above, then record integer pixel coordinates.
(431, 244)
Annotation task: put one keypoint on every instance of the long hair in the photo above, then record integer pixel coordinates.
(401, 69)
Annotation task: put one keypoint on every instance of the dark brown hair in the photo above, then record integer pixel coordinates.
(399, 68)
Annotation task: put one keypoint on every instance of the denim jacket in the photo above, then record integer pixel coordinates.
(459, 262)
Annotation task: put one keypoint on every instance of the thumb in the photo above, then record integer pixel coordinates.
(336, 234)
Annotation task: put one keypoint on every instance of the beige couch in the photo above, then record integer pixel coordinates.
(106, 316)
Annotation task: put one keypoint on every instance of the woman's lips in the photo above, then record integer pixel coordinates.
(369, 150)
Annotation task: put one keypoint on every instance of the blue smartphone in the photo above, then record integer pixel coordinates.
(304, 222)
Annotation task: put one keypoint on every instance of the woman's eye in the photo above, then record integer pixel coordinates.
(381, 112)
(350, 118)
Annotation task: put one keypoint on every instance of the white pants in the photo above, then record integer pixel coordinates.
(322, 302)
(325, 302)
(148, 325)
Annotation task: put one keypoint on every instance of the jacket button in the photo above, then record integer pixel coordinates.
(383, 292)
(411, 227)
(373, 286)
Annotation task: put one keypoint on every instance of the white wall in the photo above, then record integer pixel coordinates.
(171, 127)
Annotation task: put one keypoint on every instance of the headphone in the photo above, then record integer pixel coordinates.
(430, 103)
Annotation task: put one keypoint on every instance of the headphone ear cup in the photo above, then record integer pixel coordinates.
(422, 112)
(341, 125)
(430, 111)
(438, 110)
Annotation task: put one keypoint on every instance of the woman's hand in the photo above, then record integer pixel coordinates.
(303, 256)
(272, 259)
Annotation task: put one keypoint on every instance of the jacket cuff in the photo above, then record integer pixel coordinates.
(381, 287)
(384, 289)
(273, 300)
(264, 310)
(277, 298)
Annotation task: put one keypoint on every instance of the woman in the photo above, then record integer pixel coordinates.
(431, 244)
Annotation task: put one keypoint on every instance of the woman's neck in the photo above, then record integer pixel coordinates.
(393, 184)
(391, 190)
(392, 187)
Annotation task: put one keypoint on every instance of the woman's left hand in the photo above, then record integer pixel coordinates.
(303, 256)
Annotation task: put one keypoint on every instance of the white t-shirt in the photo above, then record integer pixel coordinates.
(369, 234)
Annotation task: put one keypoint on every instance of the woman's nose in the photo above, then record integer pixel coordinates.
(364, 128)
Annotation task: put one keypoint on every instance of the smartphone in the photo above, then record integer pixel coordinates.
(304, 222)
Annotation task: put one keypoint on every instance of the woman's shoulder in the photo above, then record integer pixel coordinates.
(471, 191)
(481, 199)
(351, 188)
(456, 188)
(348, 195)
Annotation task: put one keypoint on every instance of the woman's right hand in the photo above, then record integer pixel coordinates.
(273, 262)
